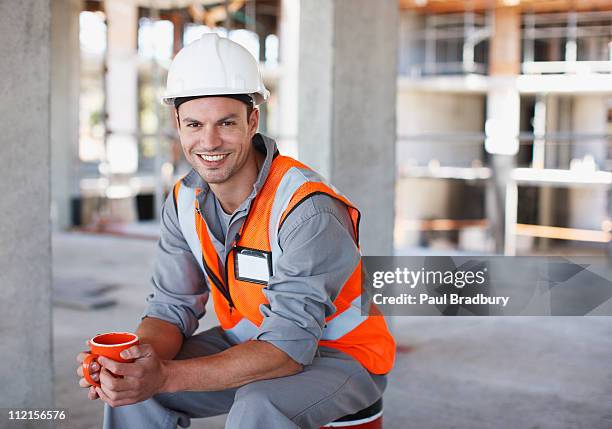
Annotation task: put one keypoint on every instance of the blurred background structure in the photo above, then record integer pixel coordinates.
(459, 127)
(503, 113)
(504, 119)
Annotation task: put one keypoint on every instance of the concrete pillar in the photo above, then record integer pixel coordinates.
(588, 207)
(542, 119)
(289, 39)
(122, 97)
(565, 110)
(502, 125)
(503, 115)
(590, 116)
(65, 78)
(347, 92)
(551, 155)
(122, 83)
(25, 250)
(411, 52)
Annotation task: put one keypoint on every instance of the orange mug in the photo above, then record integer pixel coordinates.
(108, 345)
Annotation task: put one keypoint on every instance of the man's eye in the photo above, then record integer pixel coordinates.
(193, 125)
(227, 123)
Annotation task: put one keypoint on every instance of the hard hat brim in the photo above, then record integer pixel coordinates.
(258, 97)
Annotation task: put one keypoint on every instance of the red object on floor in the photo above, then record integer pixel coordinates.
(368, 418)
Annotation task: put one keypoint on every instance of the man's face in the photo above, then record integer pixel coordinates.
(216, 136)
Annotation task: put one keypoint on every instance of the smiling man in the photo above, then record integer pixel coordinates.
(216, 134)
(278, 250)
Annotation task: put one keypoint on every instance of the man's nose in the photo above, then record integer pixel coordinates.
(209, 138)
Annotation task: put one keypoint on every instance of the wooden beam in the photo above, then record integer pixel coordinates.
(178, 22)
(443, 224)
(93, 6)
(563, 233)
(450, 6)
(505, 45)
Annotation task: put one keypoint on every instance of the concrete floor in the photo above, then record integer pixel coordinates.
(512, 372)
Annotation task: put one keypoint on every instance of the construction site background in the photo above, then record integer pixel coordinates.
(477, 127)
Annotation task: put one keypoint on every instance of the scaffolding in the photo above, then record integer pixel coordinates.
(569, 42)
(455, 43)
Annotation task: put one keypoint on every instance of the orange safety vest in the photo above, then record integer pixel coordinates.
(236, 301)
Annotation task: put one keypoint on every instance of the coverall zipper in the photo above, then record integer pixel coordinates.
(232, 247)
(220, 285)
(223, 286)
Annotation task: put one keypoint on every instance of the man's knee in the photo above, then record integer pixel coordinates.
(257, 406)
(254, 398)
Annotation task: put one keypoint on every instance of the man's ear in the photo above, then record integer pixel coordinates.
(254, 121)
(177, 122)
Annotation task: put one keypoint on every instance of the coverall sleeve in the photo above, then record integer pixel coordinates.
(180, 291)
(319, 255)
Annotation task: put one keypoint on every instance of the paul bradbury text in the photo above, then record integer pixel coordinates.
(449, 299)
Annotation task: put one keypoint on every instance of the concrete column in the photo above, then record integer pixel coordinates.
(411, 54)
(122, 83)
(588, 207)
(502, 125)
(590, 116)
(289, 42)
(503, 115)
(25, 250)
(551, 155)
(347, 93)
(122, 97)
(65, 78)
(564, 152)
(496, 200)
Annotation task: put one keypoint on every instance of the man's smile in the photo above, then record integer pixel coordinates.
(212, 160)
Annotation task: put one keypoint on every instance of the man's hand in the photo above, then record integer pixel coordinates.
(140, 380)
(95, 374)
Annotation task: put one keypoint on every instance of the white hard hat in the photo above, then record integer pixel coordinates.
(214, 65)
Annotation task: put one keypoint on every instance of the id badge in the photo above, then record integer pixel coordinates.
(251, 265)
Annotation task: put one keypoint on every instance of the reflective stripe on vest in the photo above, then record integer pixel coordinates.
(336, 328)
(345, 322)
(292, 180)
(186, 199)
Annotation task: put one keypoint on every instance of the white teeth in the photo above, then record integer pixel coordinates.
(212, 157)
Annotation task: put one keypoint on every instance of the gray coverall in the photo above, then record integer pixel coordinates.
(319, 254)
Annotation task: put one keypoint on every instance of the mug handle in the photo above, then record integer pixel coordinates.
(87, 362)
